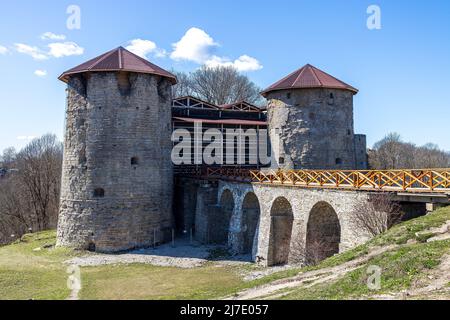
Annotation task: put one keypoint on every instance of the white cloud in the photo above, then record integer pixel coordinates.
(195, 46)
(34, 52)
(247, 63)
(65, 49)
(3, 50)
(242, 64)
(40, 73)
(144, 47)
(160, 53)
(52, 36)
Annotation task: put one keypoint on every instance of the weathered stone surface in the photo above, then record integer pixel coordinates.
(313, 129)
(117, 172)
(276, 224)
(361, 152)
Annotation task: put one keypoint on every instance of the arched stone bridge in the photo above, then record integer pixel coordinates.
(280, 223)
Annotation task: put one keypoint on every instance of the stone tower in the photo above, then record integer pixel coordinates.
(117, 175)
(310, 115)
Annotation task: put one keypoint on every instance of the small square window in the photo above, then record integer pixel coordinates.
(99, 193)
(134, 161)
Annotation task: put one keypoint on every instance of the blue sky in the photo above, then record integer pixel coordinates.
(401, 70)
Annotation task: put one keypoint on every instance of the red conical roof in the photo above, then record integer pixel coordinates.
(309, 77)
(118, 59)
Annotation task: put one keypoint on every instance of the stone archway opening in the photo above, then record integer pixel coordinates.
(250, 218)
(323, 233)
(282, 218)
(221, 225)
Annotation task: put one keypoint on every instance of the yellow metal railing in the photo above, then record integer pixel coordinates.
(423, 180)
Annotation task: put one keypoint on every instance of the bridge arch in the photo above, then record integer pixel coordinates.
(323, 233)
(221, 225)
(281, 220)
(251, 212)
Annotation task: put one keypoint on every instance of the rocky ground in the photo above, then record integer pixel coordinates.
(183, 254)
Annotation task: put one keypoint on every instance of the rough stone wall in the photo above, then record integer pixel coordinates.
(250, 219)
(117, 179)
(361, 152)
(207, 209)
(311, 129)
(323, 233)
(302, 202)
(184, 204)
(280, 232)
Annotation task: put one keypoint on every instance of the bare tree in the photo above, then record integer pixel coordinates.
(392, 153)
(29, 197)
(388, 151)
(376, 215)
(218, 85)
(15, 215)
(39, 165)
(8, 157)
(309, 253)
(183, 87)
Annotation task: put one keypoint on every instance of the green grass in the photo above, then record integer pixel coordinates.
(405, 231)
(138, 281)
(400, 269)
(27, 274)
(399, 234)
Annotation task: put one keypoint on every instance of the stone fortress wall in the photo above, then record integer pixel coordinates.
(117, 172)
(118, 184)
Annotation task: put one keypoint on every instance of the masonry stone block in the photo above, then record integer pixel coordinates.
(117, 172)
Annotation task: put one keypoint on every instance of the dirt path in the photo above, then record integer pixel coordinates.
(73, 294)
(307, 279)
(74, 281)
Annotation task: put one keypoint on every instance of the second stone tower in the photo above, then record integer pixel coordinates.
(310, 115)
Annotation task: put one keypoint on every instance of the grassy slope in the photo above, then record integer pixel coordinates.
(401, 267)
(26, 274)
(399, 234)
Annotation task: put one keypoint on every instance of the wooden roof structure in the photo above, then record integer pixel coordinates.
(192, 102)
(241, 106)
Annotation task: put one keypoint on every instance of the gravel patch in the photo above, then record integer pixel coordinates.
(182, 255)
